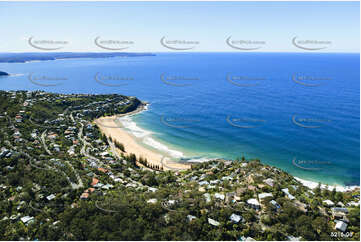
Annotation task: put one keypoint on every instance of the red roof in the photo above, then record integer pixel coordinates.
(90, 190)
(94, 182)
(102, 170)
(84, 195)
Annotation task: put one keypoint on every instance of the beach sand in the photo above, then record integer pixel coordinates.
(111, 128)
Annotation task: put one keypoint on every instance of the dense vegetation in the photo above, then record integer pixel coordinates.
(138, 204)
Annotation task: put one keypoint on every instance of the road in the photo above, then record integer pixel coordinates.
(42, 139)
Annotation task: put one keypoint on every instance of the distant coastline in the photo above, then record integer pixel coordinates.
(35, 56)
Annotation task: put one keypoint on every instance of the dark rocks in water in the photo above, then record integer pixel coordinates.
(3, 73)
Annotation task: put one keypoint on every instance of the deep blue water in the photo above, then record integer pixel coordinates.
(260, 105)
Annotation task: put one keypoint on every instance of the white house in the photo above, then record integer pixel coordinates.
(203, 183)
(269, 181)
(253, 203)
(289, 195)
(50, 197)
(264, 195)
(152, 189)
(213, 222)
(208, 197)
(235, 218)
(153, 200)
(340, 225)
(328, 203)
(27, 219)
(219, 196)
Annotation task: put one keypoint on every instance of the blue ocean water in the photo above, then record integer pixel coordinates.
(296, 111)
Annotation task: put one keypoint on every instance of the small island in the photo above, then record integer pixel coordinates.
(2, 73)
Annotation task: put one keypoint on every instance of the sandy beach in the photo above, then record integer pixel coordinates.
(111, 128)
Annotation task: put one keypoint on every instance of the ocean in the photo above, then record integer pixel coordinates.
(296, 111)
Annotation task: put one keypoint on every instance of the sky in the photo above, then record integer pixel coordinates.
(206, 26)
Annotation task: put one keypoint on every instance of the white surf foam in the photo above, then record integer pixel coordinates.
(145, 135)
(161, 147)
(312, 185)
(200, 160)
(132, 127)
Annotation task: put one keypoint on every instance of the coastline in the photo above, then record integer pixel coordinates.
(111, 128)
(339, 188)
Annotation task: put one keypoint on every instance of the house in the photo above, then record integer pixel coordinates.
(242, 238)
(292, 238)
(94, 181)
(208, 197)
(90, 190)
(328, 203)
(152, 189)
(214, 182)
(339, 210)
(203, 183)
(289, 195)
(4, 152)
(340, 225)
(353, 203)
(105, 153)
(14, 217)
(107, 186)
(253, 203)
(50, 197)
(250, 179)
(251, 188)
(228, 178)
(338, 213)
(117, 179)
(171, 202)
(211, 187)
(153, 201)
(213, 222)
(269, 182)
(52, 136)
(84, 195)
(264, 195)
(340, 204)
(219, 196)
(230, 197)
(261, 186)
(240, 191)
(27, 219)
(274, 203)
(235, 218)
(191, 217)
(301, 206)
(201, 189)
(20, 205)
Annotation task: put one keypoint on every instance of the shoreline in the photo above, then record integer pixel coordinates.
(111, 128)
(339, 188)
